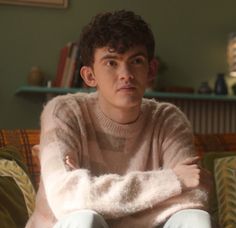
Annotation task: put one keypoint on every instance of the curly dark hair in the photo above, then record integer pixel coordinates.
(118, 30)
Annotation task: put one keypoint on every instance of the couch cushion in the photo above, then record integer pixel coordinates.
(23, 140)
(225, 178)
(17, 194)
(207, 162)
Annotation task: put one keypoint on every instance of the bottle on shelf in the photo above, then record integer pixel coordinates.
(220, 85)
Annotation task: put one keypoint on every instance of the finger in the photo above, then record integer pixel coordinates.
(70, 164)
(191, 160)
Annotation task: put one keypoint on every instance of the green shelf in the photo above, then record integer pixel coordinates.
(148, 94)
(190, 96)
(50, 90)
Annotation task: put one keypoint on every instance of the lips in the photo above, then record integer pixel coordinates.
(126, 87)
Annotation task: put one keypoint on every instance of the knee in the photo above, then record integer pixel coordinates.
(87, 215)
(190, 218)
(94, 219)
(194, 215)
(84, 218)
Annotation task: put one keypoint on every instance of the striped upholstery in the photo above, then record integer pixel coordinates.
(23, 140)
(225, 170)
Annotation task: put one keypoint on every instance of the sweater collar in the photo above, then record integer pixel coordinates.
(127, 130)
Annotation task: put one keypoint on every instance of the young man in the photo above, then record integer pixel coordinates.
(112, 158)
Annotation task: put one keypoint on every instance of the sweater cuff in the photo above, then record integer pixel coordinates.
(176, 180)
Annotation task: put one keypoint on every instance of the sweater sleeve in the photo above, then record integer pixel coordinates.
(175, 136)
(176, 144)
(111, 195)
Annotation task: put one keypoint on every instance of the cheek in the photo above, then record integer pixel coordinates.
(105, 81)
(141, 74)
(105, 72)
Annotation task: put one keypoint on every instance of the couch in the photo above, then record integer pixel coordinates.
(218, 153)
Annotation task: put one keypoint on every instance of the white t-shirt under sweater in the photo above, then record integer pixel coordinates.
(122, 171)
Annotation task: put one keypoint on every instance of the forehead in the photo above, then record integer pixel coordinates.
(102, 52)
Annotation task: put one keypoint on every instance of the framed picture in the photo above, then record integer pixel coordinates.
(43, 3)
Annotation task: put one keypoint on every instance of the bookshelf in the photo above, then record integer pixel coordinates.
(49, 90)
(149, 94)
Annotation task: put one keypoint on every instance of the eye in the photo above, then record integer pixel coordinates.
(111, 63)
(138, 60)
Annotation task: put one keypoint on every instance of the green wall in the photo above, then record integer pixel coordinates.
(191, 37)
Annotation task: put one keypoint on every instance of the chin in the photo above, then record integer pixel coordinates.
(129, 103)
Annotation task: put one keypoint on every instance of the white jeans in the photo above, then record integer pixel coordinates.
(82, 219)
(189, 218)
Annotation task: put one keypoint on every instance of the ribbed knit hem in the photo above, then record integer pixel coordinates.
(124, 130)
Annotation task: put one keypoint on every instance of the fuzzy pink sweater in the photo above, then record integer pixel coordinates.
(124, 172)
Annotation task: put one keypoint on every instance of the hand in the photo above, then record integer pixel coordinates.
(188, 173)
(70, 163)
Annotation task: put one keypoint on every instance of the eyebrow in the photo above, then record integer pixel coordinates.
(116, 56)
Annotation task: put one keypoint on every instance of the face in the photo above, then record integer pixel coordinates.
(121, 79)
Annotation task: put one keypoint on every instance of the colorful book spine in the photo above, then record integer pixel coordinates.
(61, 65)
(71, 66)
(67, 64)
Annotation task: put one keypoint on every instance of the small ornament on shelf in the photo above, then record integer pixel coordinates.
(220, 85)
(35, 77)
(204, 88)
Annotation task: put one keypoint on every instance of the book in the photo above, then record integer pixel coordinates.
(71, 66)
(67, 64)
(61, 65)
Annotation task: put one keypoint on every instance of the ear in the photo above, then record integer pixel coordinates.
(87, 74)
(153, 68)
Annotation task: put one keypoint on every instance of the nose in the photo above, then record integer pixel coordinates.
(125, 73)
